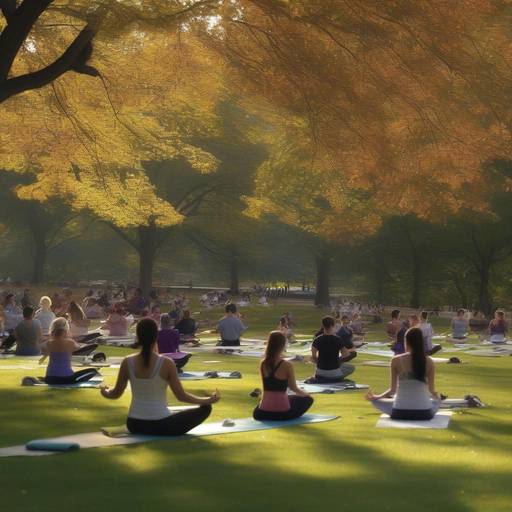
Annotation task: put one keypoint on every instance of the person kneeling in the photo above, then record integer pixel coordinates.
(277, 376)
(59, 348)
(332, 353)
(149, 375)
(412, 394)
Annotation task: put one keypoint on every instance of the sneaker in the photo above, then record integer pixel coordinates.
(255, 393)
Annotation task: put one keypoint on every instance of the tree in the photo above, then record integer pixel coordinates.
(61, 35)
(48, 225)
(88, 150)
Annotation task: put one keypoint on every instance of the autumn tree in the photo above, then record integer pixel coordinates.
(61, 33)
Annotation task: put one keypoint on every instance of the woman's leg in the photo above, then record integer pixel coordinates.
(298, 406)
(384, 405)
(85, 375)
(175, 425)
(79, 376)
(182, 361)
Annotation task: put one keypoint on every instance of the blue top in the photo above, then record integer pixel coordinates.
(59, 365)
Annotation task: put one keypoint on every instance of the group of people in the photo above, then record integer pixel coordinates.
(411, 395)
(460, 328)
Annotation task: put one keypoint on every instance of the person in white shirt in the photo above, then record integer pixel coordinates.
(44, 315)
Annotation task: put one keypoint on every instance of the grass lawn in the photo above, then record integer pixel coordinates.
(345, 464)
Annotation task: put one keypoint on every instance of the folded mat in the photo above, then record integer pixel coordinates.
(440, 420)
(331, 387)
(99, 439)
(210, 375)
(95, 382)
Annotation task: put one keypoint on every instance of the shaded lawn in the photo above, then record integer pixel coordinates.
(344, 464)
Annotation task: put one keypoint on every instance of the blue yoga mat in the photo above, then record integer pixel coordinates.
(52, 446)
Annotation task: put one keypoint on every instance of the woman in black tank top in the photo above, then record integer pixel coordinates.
(277, 376)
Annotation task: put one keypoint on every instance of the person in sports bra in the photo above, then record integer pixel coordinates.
(277, 376)
(412, 394)
(59, 348)
(149, 375)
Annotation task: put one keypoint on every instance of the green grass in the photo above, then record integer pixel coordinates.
(345, 464)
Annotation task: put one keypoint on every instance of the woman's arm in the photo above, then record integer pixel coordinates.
(393, 385)
(431, 378)
(178, 390)
(122, 381)
(292, 382)
(314, 354)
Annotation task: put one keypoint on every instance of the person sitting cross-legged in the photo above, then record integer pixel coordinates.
(59, 348)
(278, 375)
(331, 354)
(168, 342)
(412, 394)
(150, 375)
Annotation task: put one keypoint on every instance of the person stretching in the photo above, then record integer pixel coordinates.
(498, 328)
(59, 348)
(277, 376)
(412, 394)
(149, 375)
(168, 341)
(331, 353)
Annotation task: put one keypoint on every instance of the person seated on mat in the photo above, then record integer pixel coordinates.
(186, 326)
(277, 376)
(78, 323)
(345, 332)
(399, 346)
(149, 375)
(155, 313)
(357, 326)
(168, 341)
(59, 348)
(117, 324)
(460, 326)
(28, 334)
(44, 315)
(93, 310)
(331, 354)
(498, 328)
(230, 327)
(393, 326)
(412, 394)
(428, 333)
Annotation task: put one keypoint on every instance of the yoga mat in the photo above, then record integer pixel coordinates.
(439, 421)
(95, 382)
(456, 403)
(334, 387)
(377, 352)
(490, 352)
(210, 374)
(385, 364)
(99, 439)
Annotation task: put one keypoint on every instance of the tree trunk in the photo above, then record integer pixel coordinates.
(40, 255)
(322, 297)
(148, 248)
(484, 294)
(417, 265)
(416, 280)
(234, 283)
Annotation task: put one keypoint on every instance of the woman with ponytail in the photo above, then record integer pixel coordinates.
(278, 375)
(149, 375)
(412, 394)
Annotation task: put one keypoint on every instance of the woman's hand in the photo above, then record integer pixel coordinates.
(105, 391)
(214, 397)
